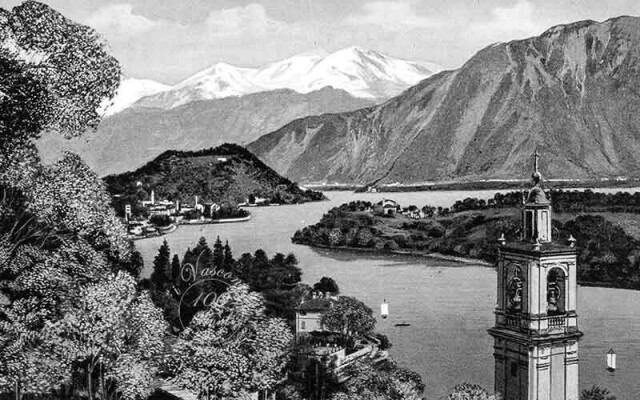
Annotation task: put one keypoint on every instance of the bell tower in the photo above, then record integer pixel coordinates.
(536, 328)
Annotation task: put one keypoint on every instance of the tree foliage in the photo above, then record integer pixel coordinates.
(68, 60)
(350, 316)
(114, 330)
(467, 391)
(326, 284)
(368, 382)
(596, 393)
(232, 347)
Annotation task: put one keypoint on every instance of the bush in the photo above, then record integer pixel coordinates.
(160, 220)
(384, 341)
(436, 231)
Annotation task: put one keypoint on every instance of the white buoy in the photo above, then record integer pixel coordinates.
(611, 360)
(384, 309)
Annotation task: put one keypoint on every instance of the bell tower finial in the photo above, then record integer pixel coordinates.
(537, 177)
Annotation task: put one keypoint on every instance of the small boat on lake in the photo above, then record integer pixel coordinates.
(384, 309)
(403, 324)
(611, 360)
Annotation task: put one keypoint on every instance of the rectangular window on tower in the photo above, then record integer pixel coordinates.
(528, 225)
(514, 368)
(544, 220)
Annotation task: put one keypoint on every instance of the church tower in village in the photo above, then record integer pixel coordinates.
(536, 330)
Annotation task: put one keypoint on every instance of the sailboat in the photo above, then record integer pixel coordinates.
(611, 360)
(384, 309)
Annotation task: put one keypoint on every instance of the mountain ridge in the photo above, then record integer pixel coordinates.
(128, 139)
(570, 92)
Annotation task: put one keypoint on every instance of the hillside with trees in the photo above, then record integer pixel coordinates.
(227, 174)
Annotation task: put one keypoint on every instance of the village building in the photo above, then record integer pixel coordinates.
(387, 207)
(309, 314)
(318, 344)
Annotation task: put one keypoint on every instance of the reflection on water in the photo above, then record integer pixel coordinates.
(448, 304)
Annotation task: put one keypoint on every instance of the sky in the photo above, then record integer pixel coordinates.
(170, 40)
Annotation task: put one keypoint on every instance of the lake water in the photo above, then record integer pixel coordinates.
(448, 304)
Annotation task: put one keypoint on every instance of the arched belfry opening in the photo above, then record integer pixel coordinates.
(536, 330)
(556, 292)
(515, 290)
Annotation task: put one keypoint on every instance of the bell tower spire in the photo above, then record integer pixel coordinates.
(536, 213)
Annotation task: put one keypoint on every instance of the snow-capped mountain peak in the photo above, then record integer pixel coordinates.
(360, 72)
(132, 90)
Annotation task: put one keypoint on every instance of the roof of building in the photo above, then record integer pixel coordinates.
(319, 304)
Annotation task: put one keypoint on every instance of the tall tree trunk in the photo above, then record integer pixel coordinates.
(90, 383)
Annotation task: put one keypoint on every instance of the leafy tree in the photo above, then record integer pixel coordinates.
(367, 382)
(231, 348)
(596, 393)
(64, 63)
(467, 391)
(68, 194)
(113, 331)
(326, 284)
(60, 241)
(160, 220)
(349, 316)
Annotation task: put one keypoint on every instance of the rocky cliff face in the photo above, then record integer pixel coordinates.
(573, 92)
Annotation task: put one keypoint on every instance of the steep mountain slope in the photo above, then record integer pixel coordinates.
(128, 139)
(361, 73)
(132, 90)
(227, 173)
(572, 92)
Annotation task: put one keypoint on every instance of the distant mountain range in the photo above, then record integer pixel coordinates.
(229, 104)
(572, 92)
(361, 73)
(127, 140)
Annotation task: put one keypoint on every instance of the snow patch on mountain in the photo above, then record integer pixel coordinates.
(132, 90)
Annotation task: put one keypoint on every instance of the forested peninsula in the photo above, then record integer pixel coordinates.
(604, 225)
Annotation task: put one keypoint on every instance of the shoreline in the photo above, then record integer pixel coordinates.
(480, 185)
(162, 231)
(448, 257)
(214, 221)
(439, 256)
